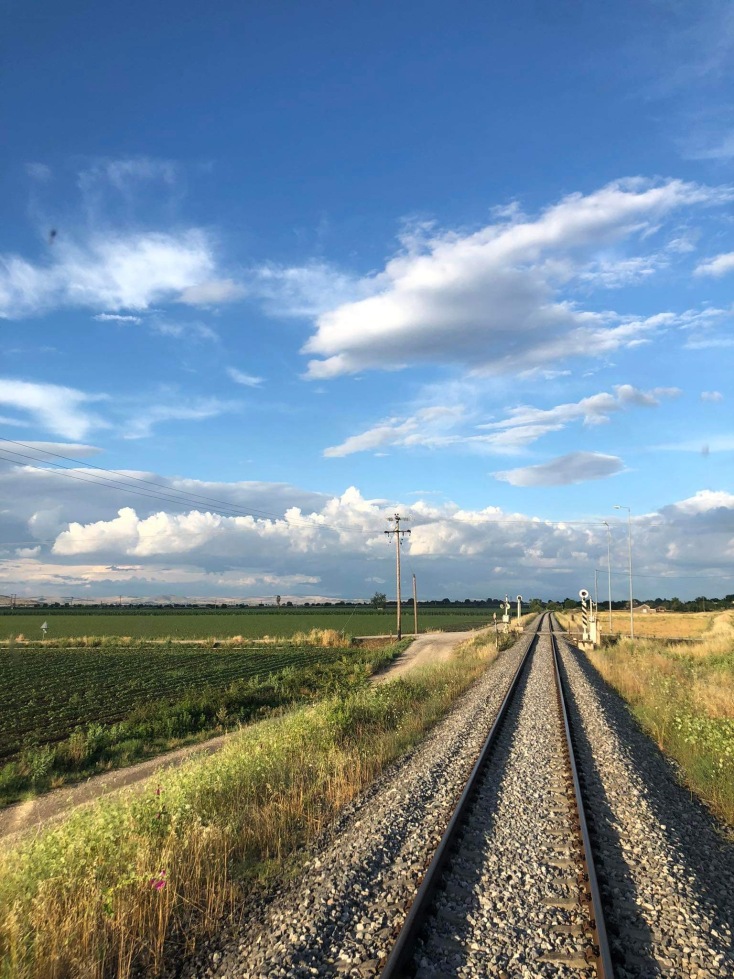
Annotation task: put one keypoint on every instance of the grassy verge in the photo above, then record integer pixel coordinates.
(683, 696)
(189, 716)
(117, 885)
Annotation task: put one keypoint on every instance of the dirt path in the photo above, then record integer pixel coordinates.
(38, 813)
(435, 647)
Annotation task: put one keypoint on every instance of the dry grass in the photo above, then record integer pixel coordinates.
(109, 889)
(683, 694)
(657, 625)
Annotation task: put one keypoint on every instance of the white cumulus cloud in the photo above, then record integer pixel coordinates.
(247, 380)
(492, 300)
(211, 293)
(141, 423)
(117, 318)
(441, 426)
(717, 266)
(339, 542)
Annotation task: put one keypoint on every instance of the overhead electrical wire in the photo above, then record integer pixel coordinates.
(668, 577)
(165, 493)
(113, 484)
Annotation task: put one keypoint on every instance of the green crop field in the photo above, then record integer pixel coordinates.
(107, 687)
(46, 694)
(248, 623)
(67, 712)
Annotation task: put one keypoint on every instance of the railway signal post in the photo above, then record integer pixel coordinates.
(588, 621)
(505, 606)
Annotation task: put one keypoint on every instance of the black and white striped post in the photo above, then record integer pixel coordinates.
(584, 596)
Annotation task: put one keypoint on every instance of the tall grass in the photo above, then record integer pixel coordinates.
(683, 696)
(118, 885)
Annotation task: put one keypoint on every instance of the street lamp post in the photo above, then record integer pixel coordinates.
(609, 571)
(629, 545)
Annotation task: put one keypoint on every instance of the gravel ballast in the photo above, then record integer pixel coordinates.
(666, 867)
(510, 902)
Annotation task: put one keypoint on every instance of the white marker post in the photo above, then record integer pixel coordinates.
(44, 629)
(586, 639)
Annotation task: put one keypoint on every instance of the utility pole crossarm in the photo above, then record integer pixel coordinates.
(399, 534)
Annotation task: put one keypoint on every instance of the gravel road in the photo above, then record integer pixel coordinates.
(434, 647)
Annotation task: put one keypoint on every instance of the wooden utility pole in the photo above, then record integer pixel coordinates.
(397, 531)
(415, 608)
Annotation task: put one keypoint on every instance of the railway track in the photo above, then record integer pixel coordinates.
(512, 884)
(512, 898)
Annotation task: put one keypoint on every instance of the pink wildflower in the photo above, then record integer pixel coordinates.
(159, 881)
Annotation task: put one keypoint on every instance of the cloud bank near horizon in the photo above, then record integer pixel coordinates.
(60, 540)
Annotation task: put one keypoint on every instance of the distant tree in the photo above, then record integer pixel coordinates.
(536, 605)
(379, 600)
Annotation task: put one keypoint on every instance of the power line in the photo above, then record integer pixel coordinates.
(184, 496)
(163, 493)
(108, 484)
(667, 577)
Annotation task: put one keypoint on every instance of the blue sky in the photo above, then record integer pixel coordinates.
(303, 264)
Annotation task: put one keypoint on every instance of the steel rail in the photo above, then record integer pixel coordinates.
(420, 908)
(602, 958)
